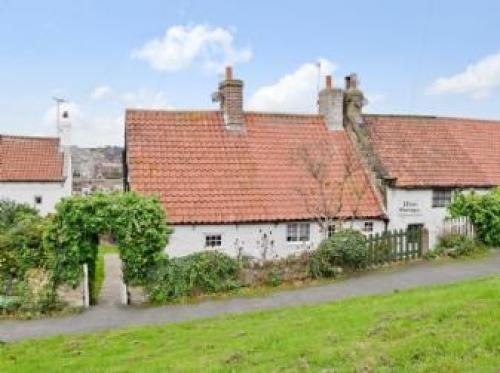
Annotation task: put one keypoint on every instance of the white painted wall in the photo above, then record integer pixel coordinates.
(25, 192)
(187, 239)
(414, 206)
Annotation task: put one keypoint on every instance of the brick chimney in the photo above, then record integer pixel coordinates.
(354, 100)
(230, 96)
(330, 105)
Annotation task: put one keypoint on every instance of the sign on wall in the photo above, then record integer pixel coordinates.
(409, 208)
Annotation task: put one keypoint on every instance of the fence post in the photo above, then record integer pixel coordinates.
(425, 241)
(86, 292)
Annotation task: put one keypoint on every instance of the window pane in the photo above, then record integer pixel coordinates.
(291, 232)
(213, 240)
(304, 232)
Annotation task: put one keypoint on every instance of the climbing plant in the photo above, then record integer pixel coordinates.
(137, 223)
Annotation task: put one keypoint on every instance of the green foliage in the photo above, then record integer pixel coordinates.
(484, 212)
(274, 277)
(12, 212)
(200, 273)
(22, 257)
(455, 244)
(346, 248)
(21, 245)
(138, 224)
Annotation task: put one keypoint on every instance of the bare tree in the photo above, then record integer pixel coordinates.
(330, 174)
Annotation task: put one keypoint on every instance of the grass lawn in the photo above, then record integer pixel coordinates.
(447, 328)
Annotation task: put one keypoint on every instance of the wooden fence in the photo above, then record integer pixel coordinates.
(397, 245)
(461, 225)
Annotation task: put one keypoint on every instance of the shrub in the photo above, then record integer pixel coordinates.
(200, 273)
(455, 244)
(346, 248)
(483, 211)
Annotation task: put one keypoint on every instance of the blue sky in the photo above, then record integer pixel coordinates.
(425, 57)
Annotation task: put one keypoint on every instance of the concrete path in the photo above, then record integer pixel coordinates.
(112, 286)
(110, 315)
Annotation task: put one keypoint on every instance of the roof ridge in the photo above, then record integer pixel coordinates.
(437, 117)
(29, 137)
(208, 111)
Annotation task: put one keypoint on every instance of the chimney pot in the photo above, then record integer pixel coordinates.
(351, 81)
(328, 81)
(229, 73)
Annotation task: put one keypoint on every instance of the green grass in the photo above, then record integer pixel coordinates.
(447, 328)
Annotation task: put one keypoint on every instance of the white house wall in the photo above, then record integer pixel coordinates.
(414, 206)
(25, 192)
(249, 238)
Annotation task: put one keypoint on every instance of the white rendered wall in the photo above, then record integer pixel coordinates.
(187, 239)
(25, 192)
(414, 206)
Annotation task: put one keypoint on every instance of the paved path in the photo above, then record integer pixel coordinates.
(111, 315)
(112, 286)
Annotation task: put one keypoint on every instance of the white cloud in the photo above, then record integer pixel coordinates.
(100, 92)
(182, 46)
(477, 80)
(295, 92)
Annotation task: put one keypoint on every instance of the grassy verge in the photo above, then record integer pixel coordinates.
(440, 329)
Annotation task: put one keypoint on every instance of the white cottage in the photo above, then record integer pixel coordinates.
(421, 161)
(36, 170)
(233, 180)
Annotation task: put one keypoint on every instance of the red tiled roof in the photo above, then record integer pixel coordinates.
(206, 174)
(30, 159)
(437, 151)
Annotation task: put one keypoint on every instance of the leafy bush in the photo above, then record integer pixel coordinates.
(455, 244)
(12, 212)
(346, 248)
(21, 246)
(23, 257)
(200, 273)
(483, 211)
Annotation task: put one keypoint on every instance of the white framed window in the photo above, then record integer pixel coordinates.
(332, 228)
(298, 232)
(38, 200)
(368, 226)
(213, 240)
(441, 197)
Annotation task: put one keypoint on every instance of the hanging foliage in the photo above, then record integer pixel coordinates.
(137, 223)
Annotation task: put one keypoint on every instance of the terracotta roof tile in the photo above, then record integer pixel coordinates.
(205, 174)
(30, 159)
(437, 151)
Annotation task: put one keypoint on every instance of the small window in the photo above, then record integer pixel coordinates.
(331, 229)
(213, 240)
(441, 197)
(38, 200)
(368, 227)
(297, 232)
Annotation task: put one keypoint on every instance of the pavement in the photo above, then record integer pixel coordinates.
(109, 313)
